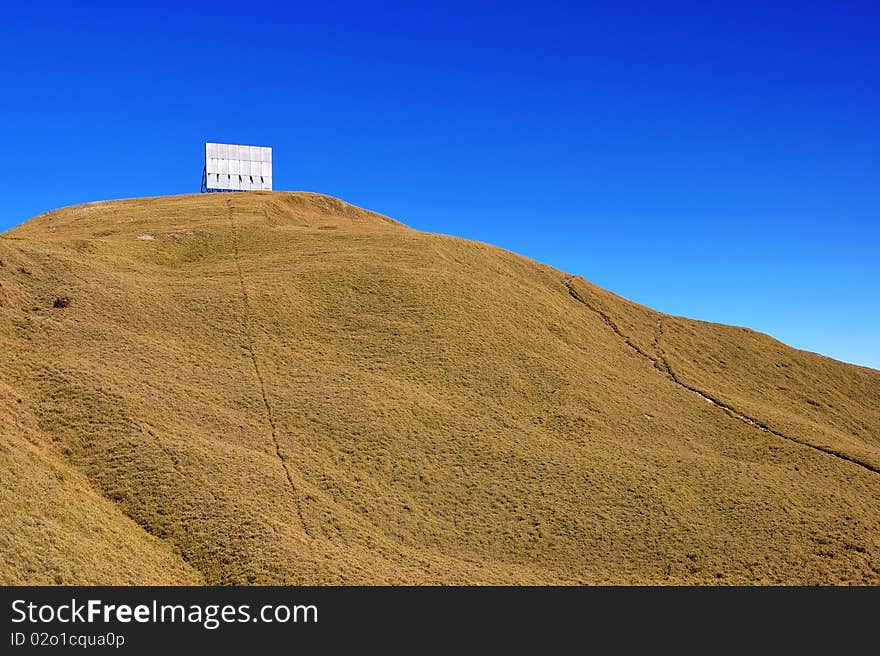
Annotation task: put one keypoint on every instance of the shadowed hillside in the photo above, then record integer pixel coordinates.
(283, 388)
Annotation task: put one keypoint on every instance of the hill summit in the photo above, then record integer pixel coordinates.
(282, 388)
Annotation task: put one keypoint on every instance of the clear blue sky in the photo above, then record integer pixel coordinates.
(718, 163)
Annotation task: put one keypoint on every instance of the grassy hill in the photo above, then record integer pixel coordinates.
(283, 388)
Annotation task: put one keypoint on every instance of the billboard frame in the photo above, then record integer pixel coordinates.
(236, 167)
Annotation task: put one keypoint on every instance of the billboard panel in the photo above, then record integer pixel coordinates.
(234, 167)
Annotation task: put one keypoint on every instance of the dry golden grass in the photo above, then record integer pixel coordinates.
(282, 388)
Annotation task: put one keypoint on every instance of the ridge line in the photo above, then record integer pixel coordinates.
(662, 365)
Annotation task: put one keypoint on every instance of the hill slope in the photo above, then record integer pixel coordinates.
(282, 388)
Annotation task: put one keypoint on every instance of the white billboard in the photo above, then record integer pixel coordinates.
(233, 167)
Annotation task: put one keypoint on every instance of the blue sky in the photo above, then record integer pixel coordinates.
(717, 163)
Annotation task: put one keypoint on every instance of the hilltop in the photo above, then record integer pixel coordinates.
(282, 388)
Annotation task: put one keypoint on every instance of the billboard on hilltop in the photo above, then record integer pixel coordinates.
(233, 167)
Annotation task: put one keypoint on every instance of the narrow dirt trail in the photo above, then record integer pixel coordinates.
(246, 321)
(662, 366)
